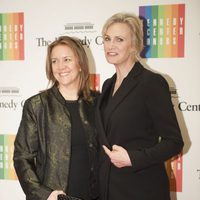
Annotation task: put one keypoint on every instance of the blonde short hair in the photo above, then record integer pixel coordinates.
(135, 25)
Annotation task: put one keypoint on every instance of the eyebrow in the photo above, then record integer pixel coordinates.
(62, 57)
(106, 35)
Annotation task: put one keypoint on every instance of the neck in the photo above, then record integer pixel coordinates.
(69, 94)
(122, 72)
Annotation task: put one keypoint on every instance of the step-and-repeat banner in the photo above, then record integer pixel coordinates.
(171, 37)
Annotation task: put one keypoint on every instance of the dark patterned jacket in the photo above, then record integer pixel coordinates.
(43, 142)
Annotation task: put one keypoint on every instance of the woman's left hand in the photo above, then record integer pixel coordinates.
(118, 156)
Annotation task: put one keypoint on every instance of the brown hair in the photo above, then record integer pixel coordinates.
(81, 56)
(134, 24)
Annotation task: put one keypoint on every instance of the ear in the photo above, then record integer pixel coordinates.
(133, 50)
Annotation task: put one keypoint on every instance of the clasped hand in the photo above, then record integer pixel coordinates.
(54, 195)
(118, 156)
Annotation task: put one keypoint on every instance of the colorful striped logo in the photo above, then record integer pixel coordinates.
(164, 30)
(11, 36)
(95, 82)
(174, 170)
(6, 157)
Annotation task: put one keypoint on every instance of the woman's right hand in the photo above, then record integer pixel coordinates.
(54, 194)
(118, 156)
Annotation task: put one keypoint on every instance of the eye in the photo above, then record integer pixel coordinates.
(106, 38)
(120, 39)
(67, 59)
(53, 61)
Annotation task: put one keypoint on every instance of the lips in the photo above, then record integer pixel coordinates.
(63, 74)
(112, 53)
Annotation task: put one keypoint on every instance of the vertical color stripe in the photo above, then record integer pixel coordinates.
(160, 32)
(164, 32)
(174, 172)
(1, 37)
(21, 36)
(154, 11)
(181, 25)
(6, 157)
(168, 34)
(148, 15)
(15, 37)
(12, 36)
(1, 156)
(95, 82)
(6, 166)
(175, 31)
(141, 15)
(11, 172)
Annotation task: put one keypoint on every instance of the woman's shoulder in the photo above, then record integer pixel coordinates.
(37, 98)
(151, 76)
(94, 93)
(94, 96)
(108, 82)
(154, 81)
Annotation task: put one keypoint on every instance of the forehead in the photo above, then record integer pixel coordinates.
(118, 28)
(62, 49)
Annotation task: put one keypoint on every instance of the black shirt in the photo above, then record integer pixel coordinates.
(78, 182)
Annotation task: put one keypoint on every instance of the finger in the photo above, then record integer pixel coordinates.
(114, 161)
(116, 164)
(116, 147)
(107, 151)
(60, 192)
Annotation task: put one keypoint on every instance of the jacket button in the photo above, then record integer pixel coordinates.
(85, 122)
(90, 145)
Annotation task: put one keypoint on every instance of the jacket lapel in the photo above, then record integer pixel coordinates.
(100, 126)
(128, 84)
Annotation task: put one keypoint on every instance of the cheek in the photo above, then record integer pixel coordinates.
(127, 50)
(104, 47)
(54, 71)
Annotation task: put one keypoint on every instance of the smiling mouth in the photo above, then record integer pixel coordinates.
(64, 74)
(112, 54)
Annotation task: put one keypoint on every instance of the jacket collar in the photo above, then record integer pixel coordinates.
(129, 83)
(57, 94)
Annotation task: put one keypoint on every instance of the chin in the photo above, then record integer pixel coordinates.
(111, 61)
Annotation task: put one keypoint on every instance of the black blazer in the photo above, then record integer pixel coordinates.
(141, 119)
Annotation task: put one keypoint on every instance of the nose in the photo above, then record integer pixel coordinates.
(61, 65)
(111, 44)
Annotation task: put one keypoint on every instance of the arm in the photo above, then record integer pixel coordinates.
(25, 152)
(161, 111)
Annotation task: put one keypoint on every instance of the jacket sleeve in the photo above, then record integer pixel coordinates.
(160, 109)
(25, 152)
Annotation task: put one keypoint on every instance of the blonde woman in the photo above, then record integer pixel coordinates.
(135, 119)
